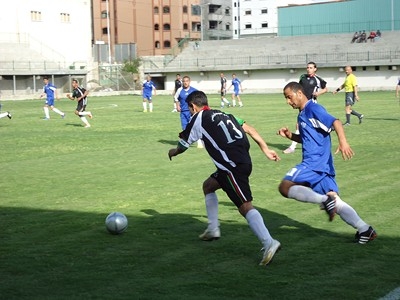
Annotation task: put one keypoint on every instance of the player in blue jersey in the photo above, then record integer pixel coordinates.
(226, 142)
(147, 92)
(313, 180)
(50, 90)
(80, 94)
(180, 99)
(237, 89)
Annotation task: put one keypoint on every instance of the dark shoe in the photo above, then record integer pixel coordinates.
(346, 124)
(366, 236)
(360, 119)
(330, 207)
(9, 115)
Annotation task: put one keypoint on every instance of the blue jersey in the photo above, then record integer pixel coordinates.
(148, 87)
(315, 125)
(50, 90)
(236, 84)
(181, 96)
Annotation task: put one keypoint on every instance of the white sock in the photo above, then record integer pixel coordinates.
(84, 113)
(305, 194)
(234, 102)
(151, 106)
(2, 115)
(174, 105)
(256, 223)
(222, 104)
(349, 215)
(84, 120)
(294, 144)
(225, 100)
(46, 112)
(56, 110)
(240, 103)
(144, 106)
(211, 200)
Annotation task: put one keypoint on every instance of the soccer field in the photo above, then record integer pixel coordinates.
(59, 181)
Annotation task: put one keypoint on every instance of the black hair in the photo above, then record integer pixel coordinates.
(198, 98)
(294, 86)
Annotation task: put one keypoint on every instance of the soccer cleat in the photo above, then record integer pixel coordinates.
(346, 124)
(46, 119)
(366, 236)
(90, 115)
(87, 126)
(145, 110)
(63, 116)
(330, 206)
(270, 252)
(174, 110)
(210, 235)
(360, 119)
(9, 115)
(288, 150)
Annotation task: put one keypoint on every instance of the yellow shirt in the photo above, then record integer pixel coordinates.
(350, 82)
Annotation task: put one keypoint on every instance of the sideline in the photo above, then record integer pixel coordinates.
(393, 295)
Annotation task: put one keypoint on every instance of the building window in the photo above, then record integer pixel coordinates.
(185, 9)
(156, 10)
(167, 44)
(196, 10)
(247, 12)
(227, 27)
(156, 27)
(36, 16)
(166, 9)
(264, 11)
(247, 26)
(157, 45)
(264, 25)
(104, 30)
(227, 12)
(104, 14)
(65, 18)
(167, 27)
(185, 26)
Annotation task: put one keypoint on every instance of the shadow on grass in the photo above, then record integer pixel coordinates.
(50, 254)
(169, 142)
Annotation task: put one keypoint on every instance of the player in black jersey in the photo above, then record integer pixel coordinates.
(225, 140)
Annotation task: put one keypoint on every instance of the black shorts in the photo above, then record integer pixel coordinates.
(81, 106)
(223, 92)
(235, 183)
(349, 100)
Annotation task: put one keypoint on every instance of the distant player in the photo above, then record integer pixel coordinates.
(313, 86)
(398, 89)
(223, 91)
(147, 92)
(50, 90)
(237, 89)
(80, 94)
(178, 84)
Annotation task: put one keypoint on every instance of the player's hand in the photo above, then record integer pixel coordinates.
(272, 155)
(347, 152)
(284, 132)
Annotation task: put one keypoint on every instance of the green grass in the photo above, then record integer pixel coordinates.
(59, 181)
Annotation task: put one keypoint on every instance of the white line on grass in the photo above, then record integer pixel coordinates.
(393, 295)
(109, 106)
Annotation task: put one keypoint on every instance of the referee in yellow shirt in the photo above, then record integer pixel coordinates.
(351, 88)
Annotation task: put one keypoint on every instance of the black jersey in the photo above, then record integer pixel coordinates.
(223, 137)
(223, 82)
(178, 84)
(79, 92)
(311, 84)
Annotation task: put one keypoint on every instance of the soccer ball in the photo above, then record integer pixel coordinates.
(116, 223)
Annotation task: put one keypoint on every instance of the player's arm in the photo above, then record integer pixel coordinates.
(285, 132)
(176, 99)
(355, 87)
(338, 89)
(180, 148)
(343, 147)
(270, 154)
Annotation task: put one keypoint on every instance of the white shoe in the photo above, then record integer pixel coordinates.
(288, 150)
(210, 235)
(174, 110)
(87, 126)
(270, 252)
